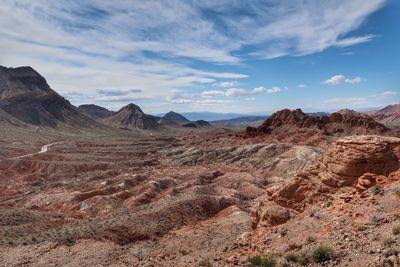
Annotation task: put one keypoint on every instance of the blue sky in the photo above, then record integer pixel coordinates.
(251, 56)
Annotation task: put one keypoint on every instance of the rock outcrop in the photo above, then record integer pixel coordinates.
(173, 119)
(95, 112)
(296, 126)
(342, 164)
(389, 116)
(26, 96)
(132, 117)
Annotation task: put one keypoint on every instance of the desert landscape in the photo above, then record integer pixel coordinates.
(187, 133)
(90, 187)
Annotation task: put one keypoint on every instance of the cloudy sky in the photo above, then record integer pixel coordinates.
(209, 55)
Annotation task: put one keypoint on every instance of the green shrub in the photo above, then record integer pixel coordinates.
(397, 192)
(323, 253)
(204, 262)
(304, 260)
(390, 252)
(183, 252)
(255, 260)
(311, 239)
(362, 228)
(264, 261)
(268, 261)
(396, 230)
(387, 242)
(292, 258)
(377, 189)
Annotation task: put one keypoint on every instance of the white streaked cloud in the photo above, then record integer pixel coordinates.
(226, 84)
(242, 92)
(338, 79)
(345, 101)
(155, 45)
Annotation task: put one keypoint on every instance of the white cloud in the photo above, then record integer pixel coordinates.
(235, 92)
(345, 101)
(226, 84)
(262, 90)
(213, 92)
(87, 45)
(302, 86)
(355, 80)
(390, 93)
(338, 79)
(243, 92)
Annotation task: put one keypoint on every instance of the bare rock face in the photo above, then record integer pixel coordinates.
(269, 214)
(26, 96)
(342, 163)
(294, 126)
(350, 157)
(132, 117)
(95, 112)
(389, 116)
(368, 180)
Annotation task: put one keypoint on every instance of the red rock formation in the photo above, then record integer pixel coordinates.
(296, 126)
(389, 116)
(342, 163)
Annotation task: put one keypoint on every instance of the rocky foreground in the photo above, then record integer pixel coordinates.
(173, 202)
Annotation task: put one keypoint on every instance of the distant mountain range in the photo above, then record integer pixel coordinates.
(26, 99)
(211, 116)
(133, 117)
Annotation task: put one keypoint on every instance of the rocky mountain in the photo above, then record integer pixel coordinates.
(132, 117)
(26, 96)
(389, 116)
(296, 126)
(95, 112)
(241, 121)
(173, 119)
(197, 124)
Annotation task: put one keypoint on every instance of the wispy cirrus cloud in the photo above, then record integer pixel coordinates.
(242, 92)
(155, 45)
(226, 84)
(110, 92)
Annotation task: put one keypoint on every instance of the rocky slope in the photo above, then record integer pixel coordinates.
(389, 116)
(132, 117)
(173, 119)
(187, 202)
(197, 124)
(297, 127)
(95, 112)
(26, 96)
(348, 201)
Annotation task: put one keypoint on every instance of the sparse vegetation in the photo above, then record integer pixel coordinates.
(396, 230)
(323, 253)
(390, 252)
(304, 260)
(311, 239)
(388, 242)
(292, 258)
(377, 189)
(183, 252)
(204, 262)
(361, 228)
(255, 260)
(397, 192)
(264, 261)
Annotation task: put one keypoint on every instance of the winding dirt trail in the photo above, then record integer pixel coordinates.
(43, 149)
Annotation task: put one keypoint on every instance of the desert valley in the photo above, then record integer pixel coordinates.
(211, 133)
(85, 186)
